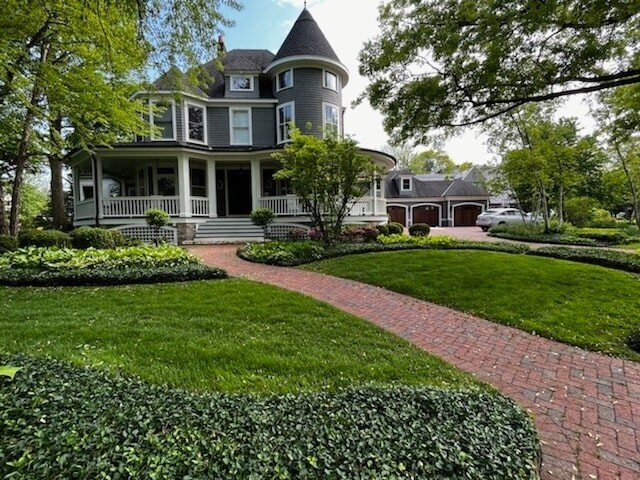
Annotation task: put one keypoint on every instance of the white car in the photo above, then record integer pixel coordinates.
(499, 216)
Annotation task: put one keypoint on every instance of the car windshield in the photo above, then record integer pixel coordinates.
(490, 212)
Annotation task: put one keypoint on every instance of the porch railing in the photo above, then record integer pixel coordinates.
(291, 205)
(137, 206)
(85, 209)
(200, 207)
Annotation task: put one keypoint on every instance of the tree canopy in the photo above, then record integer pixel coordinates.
(444, 63)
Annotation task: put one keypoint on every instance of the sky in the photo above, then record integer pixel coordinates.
(347, 24)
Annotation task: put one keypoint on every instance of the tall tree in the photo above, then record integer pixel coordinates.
(329, 175)
(442, 63)
(72, 65)
(432, 161)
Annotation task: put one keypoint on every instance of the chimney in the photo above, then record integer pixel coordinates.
(221, 48)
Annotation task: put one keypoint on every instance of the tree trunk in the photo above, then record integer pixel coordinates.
(58, 210)
(545, 207)
(560, 205)
(23, 148)
(632, 184)
(3, 220)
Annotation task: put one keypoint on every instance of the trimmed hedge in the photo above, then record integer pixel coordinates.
(126, 276)
(419, 230)
(627, 261)
(395, 228)
(554, 238)
(8, 243)
(62, 421)
(44, 238)
(93, 237)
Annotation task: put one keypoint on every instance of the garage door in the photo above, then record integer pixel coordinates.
(397, 214)
(465, 215)
(427, 214)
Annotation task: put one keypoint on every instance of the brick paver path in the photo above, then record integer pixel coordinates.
(586, 405)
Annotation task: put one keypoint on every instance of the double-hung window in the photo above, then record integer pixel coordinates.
(406, 184)
(330, 80)
(162, 120)
(284, 80)
(330, 119)
(240, 119)
(196, 122)
(286, 117)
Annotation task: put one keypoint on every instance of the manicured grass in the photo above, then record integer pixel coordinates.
(226, 335)
(630, 246)
(584, 305)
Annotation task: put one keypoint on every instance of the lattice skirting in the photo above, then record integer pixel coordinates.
(147, 234)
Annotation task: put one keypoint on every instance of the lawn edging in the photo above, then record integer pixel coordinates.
(79, 422)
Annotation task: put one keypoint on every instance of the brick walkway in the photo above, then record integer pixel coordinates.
(586, 405)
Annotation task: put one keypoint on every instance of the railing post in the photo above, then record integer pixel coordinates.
(184, 183)
(212, 192)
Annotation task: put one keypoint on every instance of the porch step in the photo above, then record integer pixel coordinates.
(229, 230)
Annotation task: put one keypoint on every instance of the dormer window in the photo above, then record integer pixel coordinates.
(196, 122)
(405, 184)
(284, 80)
(330, 81)
(241, 83)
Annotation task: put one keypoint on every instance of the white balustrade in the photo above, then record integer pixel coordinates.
(85, 209)
(137, 206)
(199, 206)
(291, 205)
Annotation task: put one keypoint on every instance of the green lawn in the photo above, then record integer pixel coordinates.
(630, 246)
(589, 306)
(227, 335)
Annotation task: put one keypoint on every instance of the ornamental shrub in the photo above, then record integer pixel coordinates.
(419, 230)
(383, 229)
(579, 210)
(44, 238)
(93, 237)
(602, 218)
(298, 233)
(359, 233)
(64, 421)
(262, 216)
(8, 243)
(395, 228)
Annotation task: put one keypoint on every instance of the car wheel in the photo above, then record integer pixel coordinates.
(485, 229)
(501, 223)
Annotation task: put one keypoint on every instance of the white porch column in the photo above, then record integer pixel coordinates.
(255, 183)
(212, 188)
(375, 196)
(184, 185)
(98, 194)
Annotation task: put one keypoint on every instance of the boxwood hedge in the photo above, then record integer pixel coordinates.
(125, 276)
(62, 421)
(627, 261)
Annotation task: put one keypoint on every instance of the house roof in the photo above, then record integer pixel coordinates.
(428, 188)
(175, 79)
(306, 38)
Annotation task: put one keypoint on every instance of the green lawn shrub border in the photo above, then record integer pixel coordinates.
(44, 238)
(586, 236)
(101, 238)
(64, 421)
(290, 254)
(554, 238)
(8, 243)
(99, 277)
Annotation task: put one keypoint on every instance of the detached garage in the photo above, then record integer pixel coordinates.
(465, 215)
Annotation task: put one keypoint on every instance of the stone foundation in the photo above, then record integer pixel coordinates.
(186, 232)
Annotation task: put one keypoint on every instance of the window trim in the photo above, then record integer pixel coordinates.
(279, 88)
(293, 120)
(324, 118)
(324, 80)
(402, 189)
(251, 83)
(172, 103)
(186, 122)
(232, 140)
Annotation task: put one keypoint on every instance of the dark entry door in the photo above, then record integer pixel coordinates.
(397, 214)
(239, 191)
(465, 216)
(221, 195)
(427, 214)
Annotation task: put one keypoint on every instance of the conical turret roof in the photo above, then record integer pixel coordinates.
(306, 38)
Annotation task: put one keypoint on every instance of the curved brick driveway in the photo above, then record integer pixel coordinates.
(586, 405)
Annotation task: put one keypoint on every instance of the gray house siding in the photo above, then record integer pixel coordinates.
(309, 94)
(263, 125)
(180, 127)
(218, 126)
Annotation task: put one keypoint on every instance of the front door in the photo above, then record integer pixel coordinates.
(239, 191)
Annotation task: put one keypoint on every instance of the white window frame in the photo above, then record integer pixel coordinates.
(293, 119)
(172, 103)
(324, 118)
(231, 135)
(402, 189)
(324, 80)
(279, 87)
(186, 121)
(251, 83)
